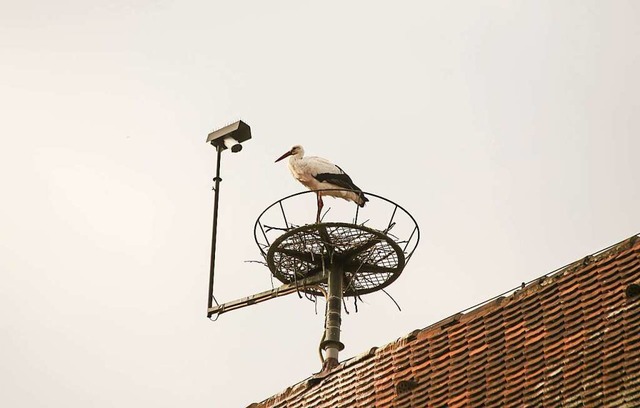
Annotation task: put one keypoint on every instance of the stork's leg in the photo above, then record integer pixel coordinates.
(320, 205)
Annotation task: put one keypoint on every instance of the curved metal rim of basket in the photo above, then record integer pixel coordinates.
(259, 228)
(398, 206)
(393, 273)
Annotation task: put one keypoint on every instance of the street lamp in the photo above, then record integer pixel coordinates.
(229, 137)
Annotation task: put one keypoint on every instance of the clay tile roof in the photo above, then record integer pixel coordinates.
(571, 339)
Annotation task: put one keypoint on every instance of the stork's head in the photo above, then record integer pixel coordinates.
(296, 151)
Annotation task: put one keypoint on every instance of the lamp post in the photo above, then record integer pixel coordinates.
(229, 137)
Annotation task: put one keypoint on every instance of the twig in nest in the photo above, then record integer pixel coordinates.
(269, 228)
(391, 297)
(258, 262)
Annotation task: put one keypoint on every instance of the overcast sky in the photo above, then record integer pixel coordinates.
(509, 129)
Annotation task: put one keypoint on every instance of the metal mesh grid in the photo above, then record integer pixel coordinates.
(371, 260)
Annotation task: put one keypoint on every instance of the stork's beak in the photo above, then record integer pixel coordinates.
(287, 154)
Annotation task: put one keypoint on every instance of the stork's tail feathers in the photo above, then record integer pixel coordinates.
(362, 199)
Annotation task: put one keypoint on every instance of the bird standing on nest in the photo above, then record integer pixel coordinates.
(317, 173)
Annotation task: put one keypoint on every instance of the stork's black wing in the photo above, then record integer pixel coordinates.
(341, 180)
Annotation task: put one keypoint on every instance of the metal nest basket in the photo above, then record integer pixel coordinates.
(372, 245)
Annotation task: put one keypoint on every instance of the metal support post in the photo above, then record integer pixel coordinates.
(214, 233)
(331, 344)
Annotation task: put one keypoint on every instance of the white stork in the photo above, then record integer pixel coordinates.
(317, 173)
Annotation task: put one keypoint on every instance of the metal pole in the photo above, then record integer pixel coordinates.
(331, 344)
(216, 189)
(283, 290)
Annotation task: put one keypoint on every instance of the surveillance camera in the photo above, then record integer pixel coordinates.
(232, 144)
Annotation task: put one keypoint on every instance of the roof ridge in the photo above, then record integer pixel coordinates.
(625, 244)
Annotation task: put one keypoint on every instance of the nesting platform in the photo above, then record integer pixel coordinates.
(370, 259)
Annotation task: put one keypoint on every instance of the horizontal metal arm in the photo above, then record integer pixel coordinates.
(283, 290)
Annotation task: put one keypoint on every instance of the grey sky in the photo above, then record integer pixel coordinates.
(508, 129)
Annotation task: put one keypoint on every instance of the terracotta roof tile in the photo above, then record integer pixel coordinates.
(571, 339)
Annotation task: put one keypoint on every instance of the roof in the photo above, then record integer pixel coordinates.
(570, 339)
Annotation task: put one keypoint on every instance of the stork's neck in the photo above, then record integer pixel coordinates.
(295, 163)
